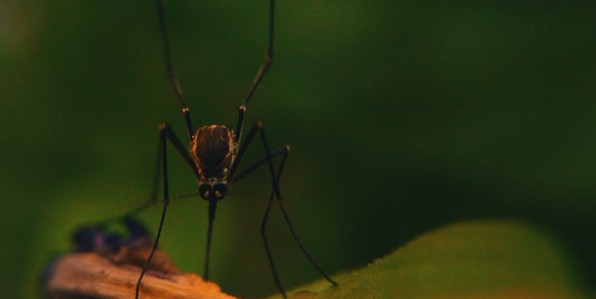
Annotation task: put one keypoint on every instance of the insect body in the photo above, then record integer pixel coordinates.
(213, 150)
(214, 153)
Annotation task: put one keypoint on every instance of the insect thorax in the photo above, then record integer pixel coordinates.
(212, 148)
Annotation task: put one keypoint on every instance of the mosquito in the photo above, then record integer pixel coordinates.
(214, 153)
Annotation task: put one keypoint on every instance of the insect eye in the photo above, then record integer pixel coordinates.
(204, 191)
(220, 190)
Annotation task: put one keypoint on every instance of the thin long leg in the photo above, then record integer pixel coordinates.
(258, 127)
(290, 227)
(268, 56)
(261, 72)
(174, 83)
(162, 135)
(182, 150)
(158, 162)
(165, 134)
(239, 124)
(264, 234)
(167, 130)
(255, 165)
(302, 248)
(153, 199)
(148, 261)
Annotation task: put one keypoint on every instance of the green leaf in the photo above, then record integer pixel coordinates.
(490, 259)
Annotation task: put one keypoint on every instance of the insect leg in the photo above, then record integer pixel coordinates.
(297, 240)
(263, 229)
(290, 227)
(174, 83)
(255, 165)
(261, 72)
(268, 56)
(165, 133)
(257, 128)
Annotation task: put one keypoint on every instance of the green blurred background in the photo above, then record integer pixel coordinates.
(402, 117)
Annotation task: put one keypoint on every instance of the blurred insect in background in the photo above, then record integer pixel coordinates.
(214, 154)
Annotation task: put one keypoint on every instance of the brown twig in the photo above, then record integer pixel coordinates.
(92, 275)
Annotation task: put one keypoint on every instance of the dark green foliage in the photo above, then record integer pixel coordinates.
(494, 259)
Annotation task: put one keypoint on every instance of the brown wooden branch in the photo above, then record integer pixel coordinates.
(92, 275)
